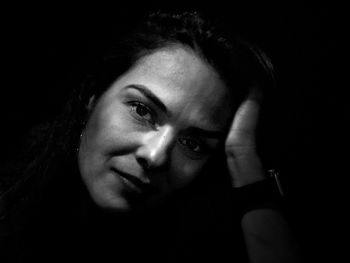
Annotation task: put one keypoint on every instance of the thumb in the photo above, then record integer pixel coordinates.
(246, 120)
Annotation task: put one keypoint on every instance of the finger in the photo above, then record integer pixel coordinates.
(246, 118)
(255, 93)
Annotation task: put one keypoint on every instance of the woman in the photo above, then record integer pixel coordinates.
(162, 124)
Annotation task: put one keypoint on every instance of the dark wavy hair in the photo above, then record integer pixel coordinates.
(239, 64)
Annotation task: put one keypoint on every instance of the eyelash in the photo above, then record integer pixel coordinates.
(135, 105)
(202, 146)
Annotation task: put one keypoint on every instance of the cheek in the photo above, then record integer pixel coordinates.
(108, 129)
(184, 171)
(107, 132)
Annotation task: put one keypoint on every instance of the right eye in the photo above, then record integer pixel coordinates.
(142, 112)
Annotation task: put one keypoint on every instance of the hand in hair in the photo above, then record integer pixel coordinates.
(244, 164)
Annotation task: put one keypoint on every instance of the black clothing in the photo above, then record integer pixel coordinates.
(64, 224)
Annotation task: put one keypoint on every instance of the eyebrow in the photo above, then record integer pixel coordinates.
(194, 130)
(150, 95)
(207, 133)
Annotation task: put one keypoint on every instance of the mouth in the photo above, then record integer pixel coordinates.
(136, 185)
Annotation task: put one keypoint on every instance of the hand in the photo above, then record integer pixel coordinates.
(244, 165)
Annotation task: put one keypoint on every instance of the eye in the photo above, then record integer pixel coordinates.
(141, 111)
(193, 145)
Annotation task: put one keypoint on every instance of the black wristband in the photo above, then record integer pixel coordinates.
(265, 194)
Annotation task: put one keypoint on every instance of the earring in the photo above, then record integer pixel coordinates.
(82, 128)
(79, 142)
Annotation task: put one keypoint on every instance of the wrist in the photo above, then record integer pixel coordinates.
(263, 194)
(245, 170)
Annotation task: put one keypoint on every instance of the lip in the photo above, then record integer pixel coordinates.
(136, 185)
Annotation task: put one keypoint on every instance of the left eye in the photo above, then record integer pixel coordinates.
(142, 111)
(193, 145)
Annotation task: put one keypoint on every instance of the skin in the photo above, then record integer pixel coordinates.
(244, 165)
(127, 132)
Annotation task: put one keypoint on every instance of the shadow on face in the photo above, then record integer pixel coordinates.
(153, 130)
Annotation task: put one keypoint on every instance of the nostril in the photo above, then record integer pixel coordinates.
(144, 163)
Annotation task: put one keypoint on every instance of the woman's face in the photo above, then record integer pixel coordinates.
(153, 130)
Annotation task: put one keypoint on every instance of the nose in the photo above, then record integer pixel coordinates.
(154, 150)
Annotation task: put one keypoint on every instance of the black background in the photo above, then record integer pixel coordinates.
(43, 47)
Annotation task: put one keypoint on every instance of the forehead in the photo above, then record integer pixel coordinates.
(184, 82)
(173, 63)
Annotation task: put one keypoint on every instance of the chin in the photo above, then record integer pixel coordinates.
(109, 200)
(112, 196)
